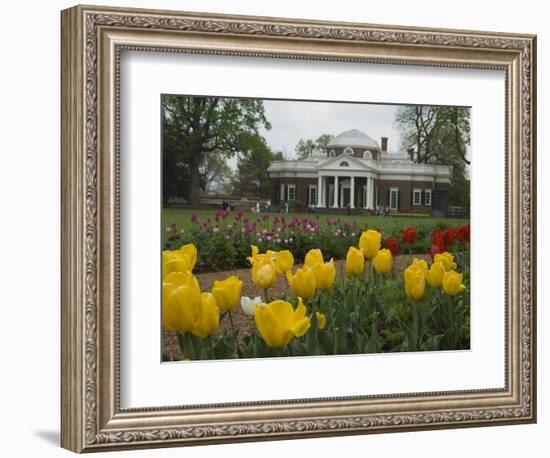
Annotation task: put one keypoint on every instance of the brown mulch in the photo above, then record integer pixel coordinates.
(243, 322)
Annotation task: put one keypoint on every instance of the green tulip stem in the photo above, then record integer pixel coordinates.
(371, 271)
(188, 346)
(355, 297)
(237, 346)
(266, 296)
(413, 344)
(211, 345)
(331, 307)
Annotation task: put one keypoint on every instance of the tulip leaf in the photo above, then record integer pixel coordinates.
(432, 343)
(327, 342)
(298, 348)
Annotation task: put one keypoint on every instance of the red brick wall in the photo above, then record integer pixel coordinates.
(405, 193)
(302, 185)
(381, 187)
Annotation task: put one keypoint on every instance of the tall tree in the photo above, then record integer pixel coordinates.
(214, 172)
(304, 147)
(252, 178)
(433, 131)
(439, 135)
(324, 140)
(194, 127)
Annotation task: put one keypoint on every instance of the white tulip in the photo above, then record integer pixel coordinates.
(248, 304)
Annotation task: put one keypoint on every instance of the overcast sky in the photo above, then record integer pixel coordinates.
(292, 120)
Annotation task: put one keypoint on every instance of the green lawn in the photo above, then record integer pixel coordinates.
(390, 224)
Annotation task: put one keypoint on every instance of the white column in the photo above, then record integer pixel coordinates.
(335, 192)
(352, 193)
(366, 188)
(282, 193)
(370, 193)
(322, 192)
(319, 193)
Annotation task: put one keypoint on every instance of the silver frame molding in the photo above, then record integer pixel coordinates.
(92, 40)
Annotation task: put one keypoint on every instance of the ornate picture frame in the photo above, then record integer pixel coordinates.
(92, 41)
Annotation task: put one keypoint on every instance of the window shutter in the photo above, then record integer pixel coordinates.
(388, 197)
(398, 196)
(422, 197)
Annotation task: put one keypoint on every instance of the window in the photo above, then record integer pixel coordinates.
(344, 164)
(348, 151)
(394, 198)
(417, 197)
(312, 198)
(332, 153)
(427, 197)
(367, 155)
(291, 192)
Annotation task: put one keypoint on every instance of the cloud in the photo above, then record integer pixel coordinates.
(292, 120)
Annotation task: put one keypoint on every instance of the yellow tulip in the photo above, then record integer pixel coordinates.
(325, 273)
(182, 260)
(415, 282)
(382, 262)
(227, 293)
(302, 282)
(419, 264)
(435, 274)
(190, 251)
(370, 242)
(313, 257)
(321, 319)
(255, 252)
(209, 317)
(355, 262)
(264, 273)
(447, 259)
(283, 261)
(181, 302)
(452, 283)
(278, 323)
(174, 280)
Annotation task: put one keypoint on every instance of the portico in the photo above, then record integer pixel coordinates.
(339, 190)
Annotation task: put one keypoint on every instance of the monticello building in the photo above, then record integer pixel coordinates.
(354, 170)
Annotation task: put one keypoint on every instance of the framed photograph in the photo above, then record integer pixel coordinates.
(278, 228)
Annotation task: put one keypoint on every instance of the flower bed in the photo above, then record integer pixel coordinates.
(367, 307)
(223, 240)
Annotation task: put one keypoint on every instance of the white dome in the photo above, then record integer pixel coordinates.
(353, 138)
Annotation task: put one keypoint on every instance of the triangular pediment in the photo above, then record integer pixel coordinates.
(353, 164)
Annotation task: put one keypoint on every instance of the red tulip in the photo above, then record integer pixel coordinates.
(449, 236)
(393, 246)
(409, 235)
(437, 239)
(463, 233)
